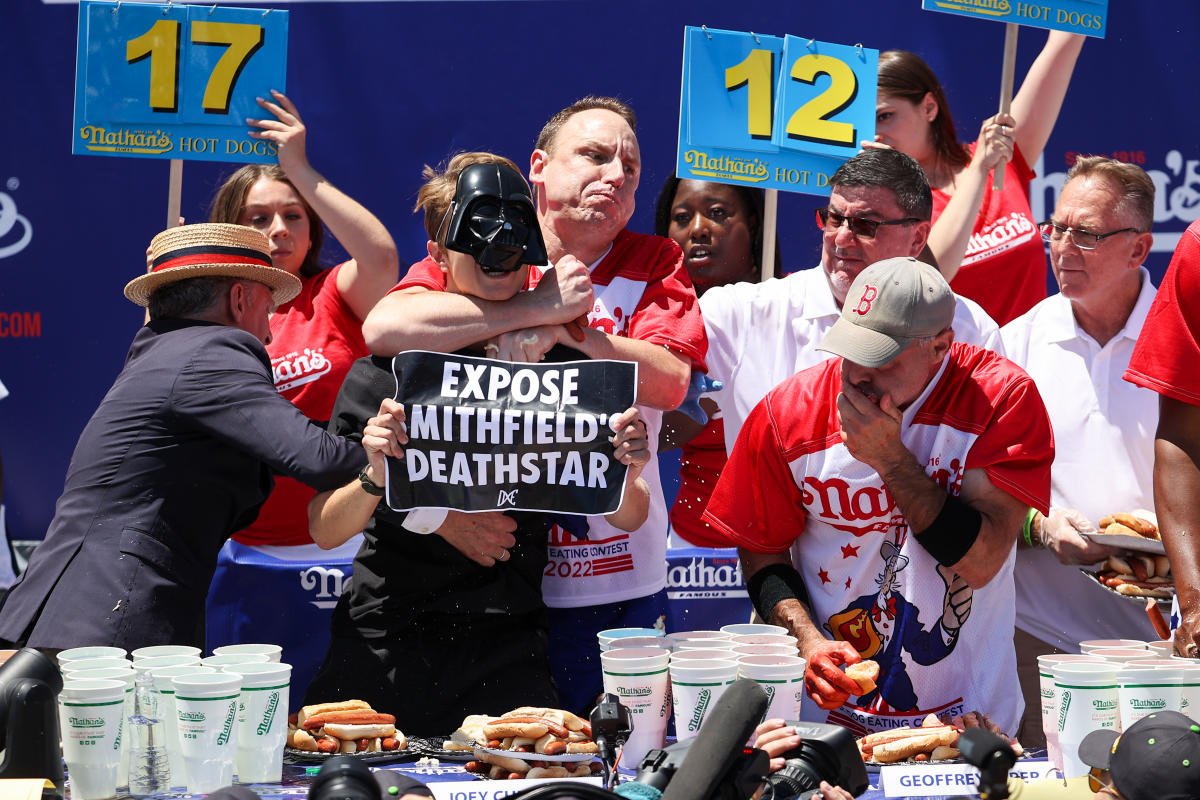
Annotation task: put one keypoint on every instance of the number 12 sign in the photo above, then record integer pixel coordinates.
(159, 80)
(778, 113)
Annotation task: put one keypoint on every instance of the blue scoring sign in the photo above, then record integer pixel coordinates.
(175, 81)
(1088, 17)
(778, 113)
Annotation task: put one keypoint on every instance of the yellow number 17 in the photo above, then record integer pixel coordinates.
(161, 44)
(811, 121)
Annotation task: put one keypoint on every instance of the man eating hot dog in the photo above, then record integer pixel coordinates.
(875, 501)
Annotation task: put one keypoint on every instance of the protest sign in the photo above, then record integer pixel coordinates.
(487, 435)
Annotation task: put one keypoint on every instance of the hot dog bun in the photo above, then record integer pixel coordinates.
(302, 740)
(864, 674)
(320, 708)
(349, 732)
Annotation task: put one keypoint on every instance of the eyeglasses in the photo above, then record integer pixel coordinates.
(1098, 778)
(859, 226)
(1084, 240)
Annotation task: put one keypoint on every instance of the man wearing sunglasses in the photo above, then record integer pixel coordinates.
(1076, 346)
(759, 334)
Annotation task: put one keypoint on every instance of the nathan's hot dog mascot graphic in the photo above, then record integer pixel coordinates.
(883, 625)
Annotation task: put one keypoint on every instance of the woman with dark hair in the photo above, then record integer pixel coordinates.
(317, 336)
(719, 227)
(986, 243)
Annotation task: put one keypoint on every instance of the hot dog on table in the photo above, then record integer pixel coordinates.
(349, 726)
(526, 732)
(935, 740)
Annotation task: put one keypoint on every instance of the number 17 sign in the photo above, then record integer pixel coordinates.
(778, 113)
(157, 80)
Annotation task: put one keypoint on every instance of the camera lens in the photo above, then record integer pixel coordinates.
(802, 775)
(344, 778)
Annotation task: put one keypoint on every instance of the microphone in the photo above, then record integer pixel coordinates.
(720, 745)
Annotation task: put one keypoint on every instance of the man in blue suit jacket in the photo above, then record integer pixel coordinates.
(179, 455)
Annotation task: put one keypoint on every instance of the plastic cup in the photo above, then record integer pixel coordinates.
(720, 654)
(1096, 644)
(696, 684)
(1164, 649)
(86, 664)
(638, 675)
(164, 695)
(1189, 686)
(763, 650)
(682, 637)
(1144, 688)
(207, 708)
(262, 721)
(766, 638)
(153, 651)
(92, 715)
(749, 628)
(781, 677)
(273, 652)
(151, 662)
(1088, 700)
(96, 651)
(605, 638)
(661, 642)
(1049, 695)
(1122, 655)
(125, 675)
(233, 659)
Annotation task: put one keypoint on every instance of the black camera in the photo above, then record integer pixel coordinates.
(828, 753)
(746, 772)
(348, 778)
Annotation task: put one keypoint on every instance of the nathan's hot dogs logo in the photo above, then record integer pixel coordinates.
(1148, 705)
(86, 722)
(991, 8)
(1104, 705)
(192, 716)
(227, 728)
(634, 691)
(268, 715)
(702, 701)
(1062, 710)
(732, 169)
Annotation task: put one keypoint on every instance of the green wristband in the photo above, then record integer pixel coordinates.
(1027, 528)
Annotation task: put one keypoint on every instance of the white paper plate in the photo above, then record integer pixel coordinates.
(1124, 540)
(536, 756)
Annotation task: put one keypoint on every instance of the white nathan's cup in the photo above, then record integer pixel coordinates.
(1123, 655)
(1087, 701)
(661, 642)
(748, 628)
(638, 675)
(125, 675)
(701, 640)
(155, 650)
(92, 651)
(1164, 649)
(762, 650)
(206, 706)
(87, 664)
(273, 652)
(164, 700)
(1145, 687)
(1086, 647)
(147, 663)
(782, 678)
(605, 638)
(720, 654)
(766, 638)
(230, 659)
(262, 721)
(696, 684)
(92, 716)
(1049, 695)
(1189, 685)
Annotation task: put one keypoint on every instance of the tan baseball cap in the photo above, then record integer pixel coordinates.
(891, 304)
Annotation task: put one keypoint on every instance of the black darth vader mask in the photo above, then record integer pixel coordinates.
(493, 219)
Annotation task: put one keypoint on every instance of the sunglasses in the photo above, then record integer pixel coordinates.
(1098, 778)
(830, 220)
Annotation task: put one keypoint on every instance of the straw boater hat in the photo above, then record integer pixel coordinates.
(211, 249)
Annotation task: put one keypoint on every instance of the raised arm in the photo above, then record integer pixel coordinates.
(1176, 487)
(374, 265)
(1041, 95)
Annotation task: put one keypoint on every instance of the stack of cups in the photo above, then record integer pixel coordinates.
(92, 714)
(698, 679)
(1148, 685)
(164, 689)
(273, 652)
(751, 628)
(1088, 646)
(126, 676)
(207, 709)
(1189, 686)
(158, 650)
(1049, 694)
(781, 677)
(233, 659)
(262, 721)
(638, 676)
(79, 653)
(702, 640)
(661, 642)
(1087, 700)
(606, 638)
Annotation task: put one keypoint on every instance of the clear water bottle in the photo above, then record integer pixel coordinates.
(149, 772)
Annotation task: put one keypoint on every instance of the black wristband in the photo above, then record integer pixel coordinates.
(772, 584)
(953, 532)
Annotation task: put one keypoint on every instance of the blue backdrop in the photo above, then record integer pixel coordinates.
(386, 87)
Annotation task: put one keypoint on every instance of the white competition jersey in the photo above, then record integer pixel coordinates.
(791, 480)
(1104, 463)
(759, 334)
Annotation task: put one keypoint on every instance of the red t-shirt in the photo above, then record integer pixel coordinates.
(700, 465)
(314, 340)
(1167, 354)
(636, 272)
(1004, 267)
